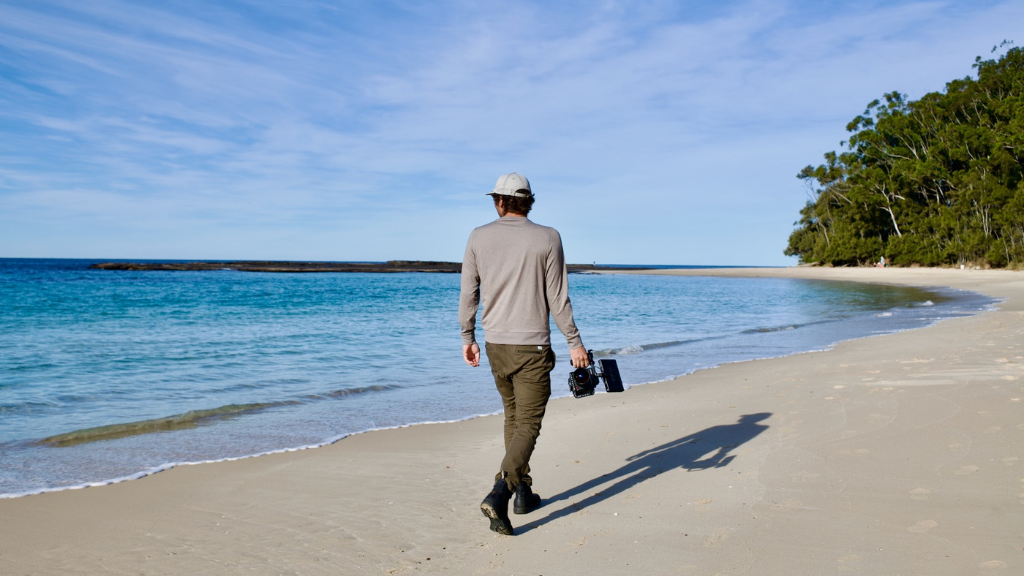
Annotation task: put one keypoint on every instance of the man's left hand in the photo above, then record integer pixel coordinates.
(579, 358)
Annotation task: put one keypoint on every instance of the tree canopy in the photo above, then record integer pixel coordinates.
(935, 181)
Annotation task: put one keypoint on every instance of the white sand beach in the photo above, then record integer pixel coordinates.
(894, 454)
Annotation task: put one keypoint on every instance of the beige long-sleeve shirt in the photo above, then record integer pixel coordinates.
(517, 269)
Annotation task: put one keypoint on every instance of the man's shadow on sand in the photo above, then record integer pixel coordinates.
(687, 452)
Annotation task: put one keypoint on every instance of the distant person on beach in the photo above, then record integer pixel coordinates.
(518, 269)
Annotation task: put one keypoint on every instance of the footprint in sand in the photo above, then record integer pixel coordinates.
(993, 565)
(993, 429)
(861, 451)
(1010, 460)
(847, 433)
(847, 563)
(923, 526)
(581, 541)
(920, 494)
(964, 470)
(715, 539)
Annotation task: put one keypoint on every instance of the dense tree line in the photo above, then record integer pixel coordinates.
(936, 181)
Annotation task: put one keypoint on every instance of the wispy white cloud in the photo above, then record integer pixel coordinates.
(653, 131)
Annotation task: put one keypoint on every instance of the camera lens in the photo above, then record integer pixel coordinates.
(581, 376)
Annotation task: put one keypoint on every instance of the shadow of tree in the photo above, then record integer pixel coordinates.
(708, 448)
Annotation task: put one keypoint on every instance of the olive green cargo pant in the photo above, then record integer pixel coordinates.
(522, 374)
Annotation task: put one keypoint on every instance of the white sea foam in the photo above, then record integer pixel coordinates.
(632, 349)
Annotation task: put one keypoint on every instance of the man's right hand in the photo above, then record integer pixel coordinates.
(578, 357)
(471, 354)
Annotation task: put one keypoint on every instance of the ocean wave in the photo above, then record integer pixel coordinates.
(639, 348)
(29, 404)
(631, 349)
(191, 419)
(341, 393)
(883, 315)
(772, 329)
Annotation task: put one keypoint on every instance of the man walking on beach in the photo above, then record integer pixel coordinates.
(518, 269)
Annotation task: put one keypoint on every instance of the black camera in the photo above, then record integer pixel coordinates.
(583, 381)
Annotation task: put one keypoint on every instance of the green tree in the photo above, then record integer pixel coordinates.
(936, 181)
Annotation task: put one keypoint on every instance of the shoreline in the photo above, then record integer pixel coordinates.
(71, 438)
(172, 465)
(794, 473)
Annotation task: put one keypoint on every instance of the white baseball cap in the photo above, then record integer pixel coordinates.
(510, 184)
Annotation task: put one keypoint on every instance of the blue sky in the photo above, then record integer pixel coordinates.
(653, 132)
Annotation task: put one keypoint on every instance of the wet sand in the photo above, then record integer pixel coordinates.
(896, 454)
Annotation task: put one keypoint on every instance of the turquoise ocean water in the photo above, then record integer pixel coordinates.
(108, 375)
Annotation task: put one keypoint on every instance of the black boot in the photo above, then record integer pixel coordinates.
(495, 507)
(526, 500)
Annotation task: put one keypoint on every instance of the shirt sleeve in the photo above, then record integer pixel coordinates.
(469, 295)
(556, 277)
